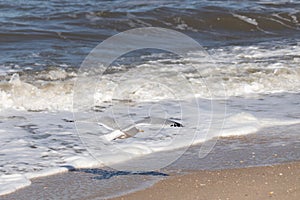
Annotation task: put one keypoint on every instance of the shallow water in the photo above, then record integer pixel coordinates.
(36, 144)
(266, 147)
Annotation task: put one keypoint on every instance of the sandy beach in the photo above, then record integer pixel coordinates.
(269, 182)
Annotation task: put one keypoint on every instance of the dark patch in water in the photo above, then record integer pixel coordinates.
(31, 128)
(68, 120)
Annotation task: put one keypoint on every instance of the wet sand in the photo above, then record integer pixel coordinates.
(268, 182)
(83, 185)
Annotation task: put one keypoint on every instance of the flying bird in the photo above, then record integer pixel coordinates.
(132, 130)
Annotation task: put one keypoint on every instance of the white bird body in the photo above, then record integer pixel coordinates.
(113, 135)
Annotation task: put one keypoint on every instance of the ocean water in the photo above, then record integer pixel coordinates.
(245, 81)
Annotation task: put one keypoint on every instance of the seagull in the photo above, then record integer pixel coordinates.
(131, 130)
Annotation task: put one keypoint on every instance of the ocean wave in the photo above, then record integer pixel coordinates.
(232, 71)
(98, 22)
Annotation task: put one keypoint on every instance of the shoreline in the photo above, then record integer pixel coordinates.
(104, 183)
(280, 181)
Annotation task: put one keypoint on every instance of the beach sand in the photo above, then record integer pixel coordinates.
(268, 182)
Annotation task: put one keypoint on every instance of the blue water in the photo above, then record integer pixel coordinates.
(41, 34)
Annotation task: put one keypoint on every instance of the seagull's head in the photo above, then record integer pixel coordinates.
(176, 124)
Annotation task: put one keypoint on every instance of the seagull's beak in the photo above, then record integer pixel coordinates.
(140, 130)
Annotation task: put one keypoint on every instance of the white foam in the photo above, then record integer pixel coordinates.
(246, 19)
(36, 144)
(156, 139)
(20, 95)
(232, 71)
(13, 182)
(5, 70)
(82, 161)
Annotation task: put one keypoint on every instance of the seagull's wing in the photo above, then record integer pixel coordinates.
(156, 120)
(118, 134)
(130, 132)
(108, 123)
